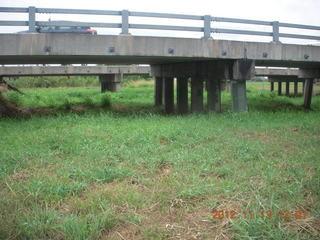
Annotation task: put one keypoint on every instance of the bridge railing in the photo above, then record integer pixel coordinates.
(207, 27)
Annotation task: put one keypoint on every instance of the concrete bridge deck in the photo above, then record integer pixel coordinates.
(127, 49)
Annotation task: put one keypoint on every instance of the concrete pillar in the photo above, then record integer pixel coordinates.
(242, 70)
(303, 85)
(307, 94)
(196, 94)
(168, 95)
(272, 86)
(279, 88)
(158, 91)
(110, 82)
(287, 88)
(239, 96)
(182, 95)
(214, 94)
(295, 89)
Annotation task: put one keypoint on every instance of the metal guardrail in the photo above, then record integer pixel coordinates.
(124, 25)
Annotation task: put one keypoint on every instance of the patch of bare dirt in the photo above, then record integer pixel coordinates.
(165, 169)
(178, 221)
(305, 224)
(19, 176)
(174, 225)
(260, 136)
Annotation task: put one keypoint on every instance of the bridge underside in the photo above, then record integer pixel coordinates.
(124, 60)
(206, 61)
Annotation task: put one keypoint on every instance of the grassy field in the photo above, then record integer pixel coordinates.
(112, 166)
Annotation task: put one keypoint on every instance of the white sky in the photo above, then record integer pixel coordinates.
(290, 11)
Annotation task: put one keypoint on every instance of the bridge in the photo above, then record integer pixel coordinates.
(110, 77)
(206, 59)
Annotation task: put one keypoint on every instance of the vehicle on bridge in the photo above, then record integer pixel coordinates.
(55, 28)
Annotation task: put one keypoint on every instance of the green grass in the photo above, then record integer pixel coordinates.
(64, 81)
(127, 171)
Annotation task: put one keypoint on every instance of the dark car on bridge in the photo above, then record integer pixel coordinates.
(64, 29)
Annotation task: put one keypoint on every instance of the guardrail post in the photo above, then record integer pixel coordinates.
(32, 19)
(207, 26)
(275, 32)
(125, 22)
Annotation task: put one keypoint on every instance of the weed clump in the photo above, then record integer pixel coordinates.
(7, 108)
(105, 101)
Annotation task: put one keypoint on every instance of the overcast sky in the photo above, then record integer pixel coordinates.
(291, 11)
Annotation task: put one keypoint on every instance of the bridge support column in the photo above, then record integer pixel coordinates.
(182, 95)
(110, 82)
(295, 89)
(271, 85)
(228, 86)
(223, 85)
(242, 70)
(287, 88)
(307, 94)
(168, 95)
(239, 96)
(214, 94)
(196, 94)
(158, 91)
(279, 88)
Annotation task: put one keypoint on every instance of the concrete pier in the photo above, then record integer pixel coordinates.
(272, 86)
(242, 70)
(182, 95)
(158, 91)
(307, 94)
(295, 89)
(239, 96)
(168, 95)
(279, 88)
(214, 94)
(110, 82)
(196, 94)
(287, 88)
